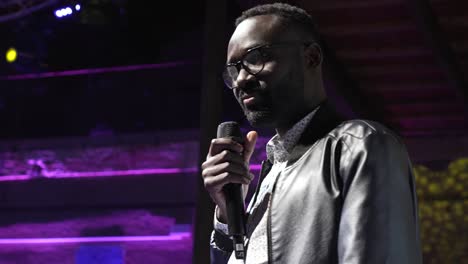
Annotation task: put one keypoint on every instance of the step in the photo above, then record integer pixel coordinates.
(173, 248)
(153, 190)
(84, 224)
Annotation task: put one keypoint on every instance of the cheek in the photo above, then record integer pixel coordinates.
(289, 92)
(273, 75)
(281, 82)
(270, 67)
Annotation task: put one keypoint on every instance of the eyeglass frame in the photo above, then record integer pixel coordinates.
(243, 66)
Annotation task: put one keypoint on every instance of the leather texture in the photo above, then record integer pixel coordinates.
(346, 196)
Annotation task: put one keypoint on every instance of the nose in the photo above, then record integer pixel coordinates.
(246, 81)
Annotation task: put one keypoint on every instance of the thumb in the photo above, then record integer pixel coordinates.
(249, 145)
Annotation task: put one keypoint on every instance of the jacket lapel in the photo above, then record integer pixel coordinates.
(324, 121)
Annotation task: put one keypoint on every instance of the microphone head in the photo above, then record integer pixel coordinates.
(230, 129)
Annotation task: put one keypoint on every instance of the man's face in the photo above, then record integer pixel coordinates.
(275, 96)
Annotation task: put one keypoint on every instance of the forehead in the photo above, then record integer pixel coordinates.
(256, 31)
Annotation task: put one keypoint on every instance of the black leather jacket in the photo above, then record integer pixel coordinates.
(347, 195)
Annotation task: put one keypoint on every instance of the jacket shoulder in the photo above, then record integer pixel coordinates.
(361, 129)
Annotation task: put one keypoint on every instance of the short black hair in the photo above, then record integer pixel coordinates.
(291, 15)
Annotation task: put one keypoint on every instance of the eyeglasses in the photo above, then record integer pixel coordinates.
(253, 61)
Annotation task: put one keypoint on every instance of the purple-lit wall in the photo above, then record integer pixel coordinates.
(136, 192)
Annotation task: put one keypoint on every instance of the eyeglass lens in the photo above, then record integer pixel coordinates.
(252, 63)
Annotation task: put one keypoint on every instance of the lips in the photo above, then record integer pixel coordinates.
(253, 101)
(248, 100)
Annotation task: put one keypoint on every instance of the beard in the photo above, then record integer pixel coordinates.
(260, 118)
(262, 115)
(270, 106)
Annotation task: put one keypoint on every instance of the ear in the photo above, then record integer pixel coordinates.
(313, 55)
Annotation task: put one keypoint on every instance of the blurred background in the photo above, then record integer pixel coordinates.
(106, 108)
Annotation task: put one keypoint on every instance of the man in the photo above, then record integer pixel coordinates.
(331, 191)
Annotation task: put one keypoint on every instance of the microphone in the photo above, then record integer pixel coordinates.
(233, 191)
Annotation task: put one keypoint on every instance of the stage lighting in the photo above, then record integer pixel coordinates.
(66, 11)
(11, 55)
(58, 13)
(77, 7)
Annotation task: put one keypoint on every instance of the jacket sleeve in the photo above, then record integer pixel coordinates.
(379, 219)
(220, 247)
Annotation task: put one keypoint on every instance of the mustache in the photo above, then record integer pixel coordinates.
(248, 91)
(252, 85)
(249, 86)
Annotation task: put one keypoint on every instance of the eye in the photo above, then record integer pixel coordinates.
(265, 53)
(253, 58)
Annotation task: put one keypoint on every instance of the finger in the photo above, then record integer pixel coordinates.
(232, 168)
(224, 156)
(219, 144)
(249, 145)
(251, 176)
(216, 183)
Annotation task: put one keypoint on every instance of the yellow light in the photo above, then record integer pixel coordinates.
(11, 55)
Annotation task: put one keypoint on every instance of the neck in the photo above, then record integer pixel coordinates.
(284, 127)
(282, 131)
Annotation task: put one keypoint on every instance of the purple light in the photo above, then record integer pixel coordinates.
(155, 171)
(63, 240)
(15, 178)
(95, 71)
(68, 11)
(77, 7)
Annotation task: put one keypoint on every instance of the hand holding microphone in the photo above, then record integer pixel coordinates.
(225, 171)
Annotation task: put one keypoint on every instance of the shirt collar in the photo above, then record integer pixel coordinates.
(279, 148)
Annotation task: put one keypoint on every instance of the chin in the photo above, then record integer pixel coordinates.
(260, 118)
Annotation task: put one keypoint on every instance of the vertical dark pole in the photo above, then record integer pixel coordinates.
(210, 117)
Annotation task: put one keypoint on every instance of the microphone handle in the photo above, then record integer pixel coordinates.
(236, 217)
(234, 198)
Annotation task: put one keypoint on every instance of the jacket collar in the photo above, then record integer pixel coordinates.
(324, 121)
